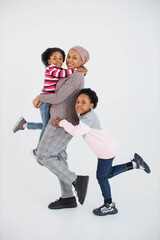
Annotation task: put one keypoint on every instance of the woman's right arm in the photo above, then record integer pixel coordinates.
(67, 88)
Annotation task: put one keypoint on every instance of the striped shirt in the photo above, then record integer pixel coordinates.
(52, 75)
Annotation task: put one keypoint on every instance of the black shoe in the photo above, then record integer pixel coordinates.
(140, 163)
(81, 185)
(63, 203)
(106, 209)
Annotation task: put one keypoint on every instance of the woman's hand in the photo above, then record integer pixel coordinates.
(82, 69)
(57, 121)
(36, 102)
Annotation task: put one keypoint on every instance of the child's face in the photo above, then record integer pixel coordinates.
(73, 59)
(83, 104)
(56, 59)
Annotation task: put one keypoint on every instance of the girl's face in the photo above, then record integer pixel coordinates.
(83, 104)
(56, 59)
(73, 59)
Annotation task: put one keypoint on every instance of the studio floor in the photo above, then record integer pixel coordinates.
(27, 189)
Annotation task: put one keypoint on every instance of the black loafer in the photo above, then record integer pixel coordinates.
(63, 203)
(81, 185)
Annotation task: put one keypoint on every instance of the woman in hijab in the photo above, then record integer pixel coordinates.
(52, 148)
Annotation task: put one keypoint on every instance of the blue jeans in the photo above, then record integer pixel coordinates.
(45, 115)
(106, 171)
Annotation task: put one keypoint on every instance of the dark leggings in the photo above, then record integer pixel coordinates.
(106, 171)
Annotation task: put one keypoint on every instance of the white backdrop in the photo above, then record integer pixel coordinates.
(123, 39)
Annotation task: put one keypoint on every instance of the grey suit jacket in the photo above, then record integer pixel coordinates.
(63, 100)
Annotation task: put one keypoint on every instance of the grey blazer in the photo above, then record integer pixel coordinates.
(63, 100)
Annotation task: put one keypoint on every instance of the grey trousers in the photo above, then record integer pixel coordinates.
(52, 154)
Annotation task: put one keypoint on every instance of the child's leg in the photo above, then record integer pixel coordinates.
(22, 124)
(117, 169)
(103, 168)
(106, 171)
(33, 126)
(45, 115)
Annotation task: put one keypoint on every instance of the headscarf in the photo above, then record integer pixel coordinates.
(83, 53)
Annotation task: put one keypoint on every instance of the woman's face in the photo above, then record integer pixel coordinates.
(73, 59)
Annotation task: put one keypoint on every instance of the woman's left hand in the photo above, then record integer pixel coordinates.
(36, 102)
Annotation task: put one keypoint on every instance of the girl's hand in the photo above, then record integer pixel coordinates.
(82, 69)
(57, 121)
(36, 102)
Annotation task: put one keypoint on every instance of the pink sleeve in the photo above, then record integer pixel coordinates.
(77, 130)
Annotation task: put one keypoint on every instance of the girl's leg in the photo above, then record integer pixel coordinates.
(45, 115)
(22, 124)
(106, 171)
(115, 170)
(33, 126)
(103, 168)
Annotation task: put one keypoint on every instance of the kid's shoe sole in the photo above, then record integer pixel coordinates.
(141, 163)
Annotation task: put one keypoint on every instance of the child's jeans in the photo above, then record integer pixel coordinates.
(106, 171)
(45, 115)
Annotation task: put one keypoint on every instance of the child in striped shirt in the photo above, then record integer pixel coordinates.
(53, 59)
(102, 145)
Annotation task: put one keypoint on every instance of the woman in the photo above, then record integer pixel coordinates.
(52, 148)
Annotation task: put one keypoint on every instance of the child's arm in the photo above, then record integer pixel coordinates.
(77, 130)
(82, 69)
(59, 72)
